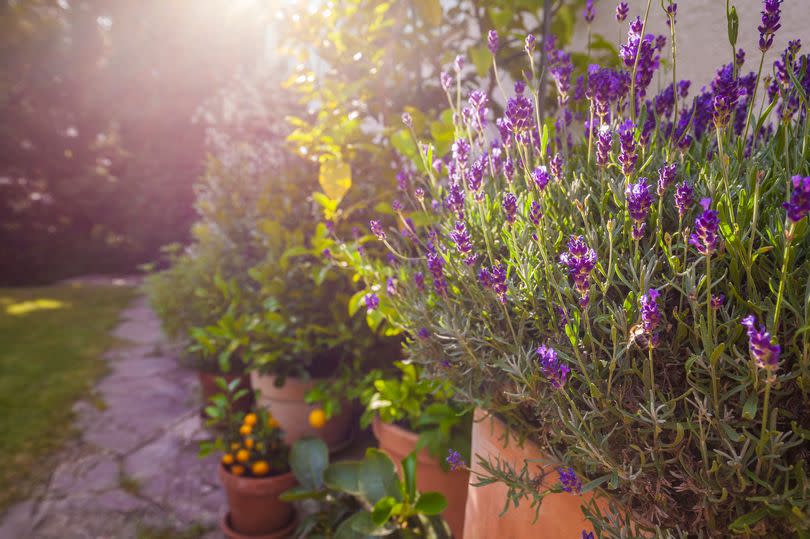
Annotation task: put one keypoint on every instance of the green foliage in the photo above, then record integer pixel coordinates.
(364, 498)
(423, 405)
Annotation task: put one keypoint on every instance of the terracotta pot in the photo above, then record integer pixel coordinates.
(288, 406)
(560, 515)
(255, 509)
(230, 533)
(210, 388)
(430, 476)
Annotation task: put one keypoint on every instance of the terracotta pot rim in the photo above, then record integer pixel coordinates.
(257, 485)
(405, 437)
(286, 531)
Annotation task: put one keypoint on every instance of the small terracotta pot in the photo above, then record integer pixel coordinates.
(560, 514)
(288, 406)
(210, 388)
(430, 477)
(230, 533)
(255, 509)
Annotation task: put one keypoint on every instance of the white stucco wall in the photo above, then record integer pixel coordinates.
(702, 38)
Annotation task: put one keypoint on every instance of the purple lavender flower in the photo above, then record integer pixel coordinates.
(519, 114)
(462, 240)
(760, 344)
(536, 213)
(391, 286)
(556, 166)
(540, 177)
(447, 81)
(377, 229)
(639, 201)
(455, 460)
(604, 141)
(407, 119)
(419, 281)
(423, 334)
(589, 12)
(396, 205)
(726, 89)
(640, 52)
(622, 10)
(799, 205)
(684, 197)
(770, 24)
(569, 480)
(529, 43)
(666, 176)
(580, 260)
(372, 302)
(672, 11)
(628, 156)
(494, 278)
(419, 193)
(509, 169)
(436, 266)
(552, 368)
(560, 69)
(587, 535)
(461, 150)
(717, 301)
(650, 312)
(704, 238)
(327, 254)
(492, 42)
(455, 200)
(510, 207)
(459, 63)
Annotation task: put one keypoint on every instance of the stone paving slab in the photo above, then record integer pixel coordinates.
(135, 462)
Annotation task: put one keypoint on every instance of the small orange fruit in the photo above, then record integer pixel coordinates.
(227, 459)
(250, 419)
(317, 418)
(243, 455)
(249, 443)
(260, 468)
(234, 446)
(272, 422)
(237, 469)
(244, 430)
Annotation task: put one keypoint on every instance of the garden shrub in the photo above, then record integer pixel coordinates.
(626, 282)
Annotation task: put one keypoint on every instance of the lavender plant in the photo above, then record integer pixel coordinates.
(568, 280)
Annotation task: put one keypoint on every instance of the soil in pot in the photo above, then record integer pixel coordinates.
(209, 388)
(560, 514)
(398, 443)
(287, 405)
(255, 509)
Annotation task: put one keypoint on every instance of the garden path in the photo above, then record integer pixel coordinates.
(134, 466)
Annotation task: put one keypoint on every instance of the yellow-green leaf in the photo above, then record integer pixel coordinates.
(335, 178)
(429, 11)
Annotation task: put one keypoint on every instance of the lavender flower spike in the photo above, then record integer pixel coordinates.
(770, 24)
(372, 302)
(799, 205)
(510, 207)
(455, 460)
(589, 12)
(684, 197)
(492, 42)
(666, 176)
(704, 238)
(639, 201)
(569, 480)
(552, 368)
(760, 344)
(650, 311)
(622, 10)
(580, 260)
(377, 229)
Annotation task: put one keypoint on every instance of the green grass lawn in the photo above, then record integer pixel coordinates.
(51, 342)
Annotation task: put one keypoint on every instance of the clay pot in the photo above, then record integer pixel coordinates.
(255, 509)
(430, 477)
(287, 405)
(560, 514)
(210, 388)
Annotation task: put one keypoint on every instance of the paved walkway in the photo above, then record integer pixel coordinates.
(135, 466)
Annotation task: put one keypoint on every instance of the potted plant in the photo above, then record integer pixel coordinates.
(646, 350)
(410, 414)
(362, 498)
(254, 469)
